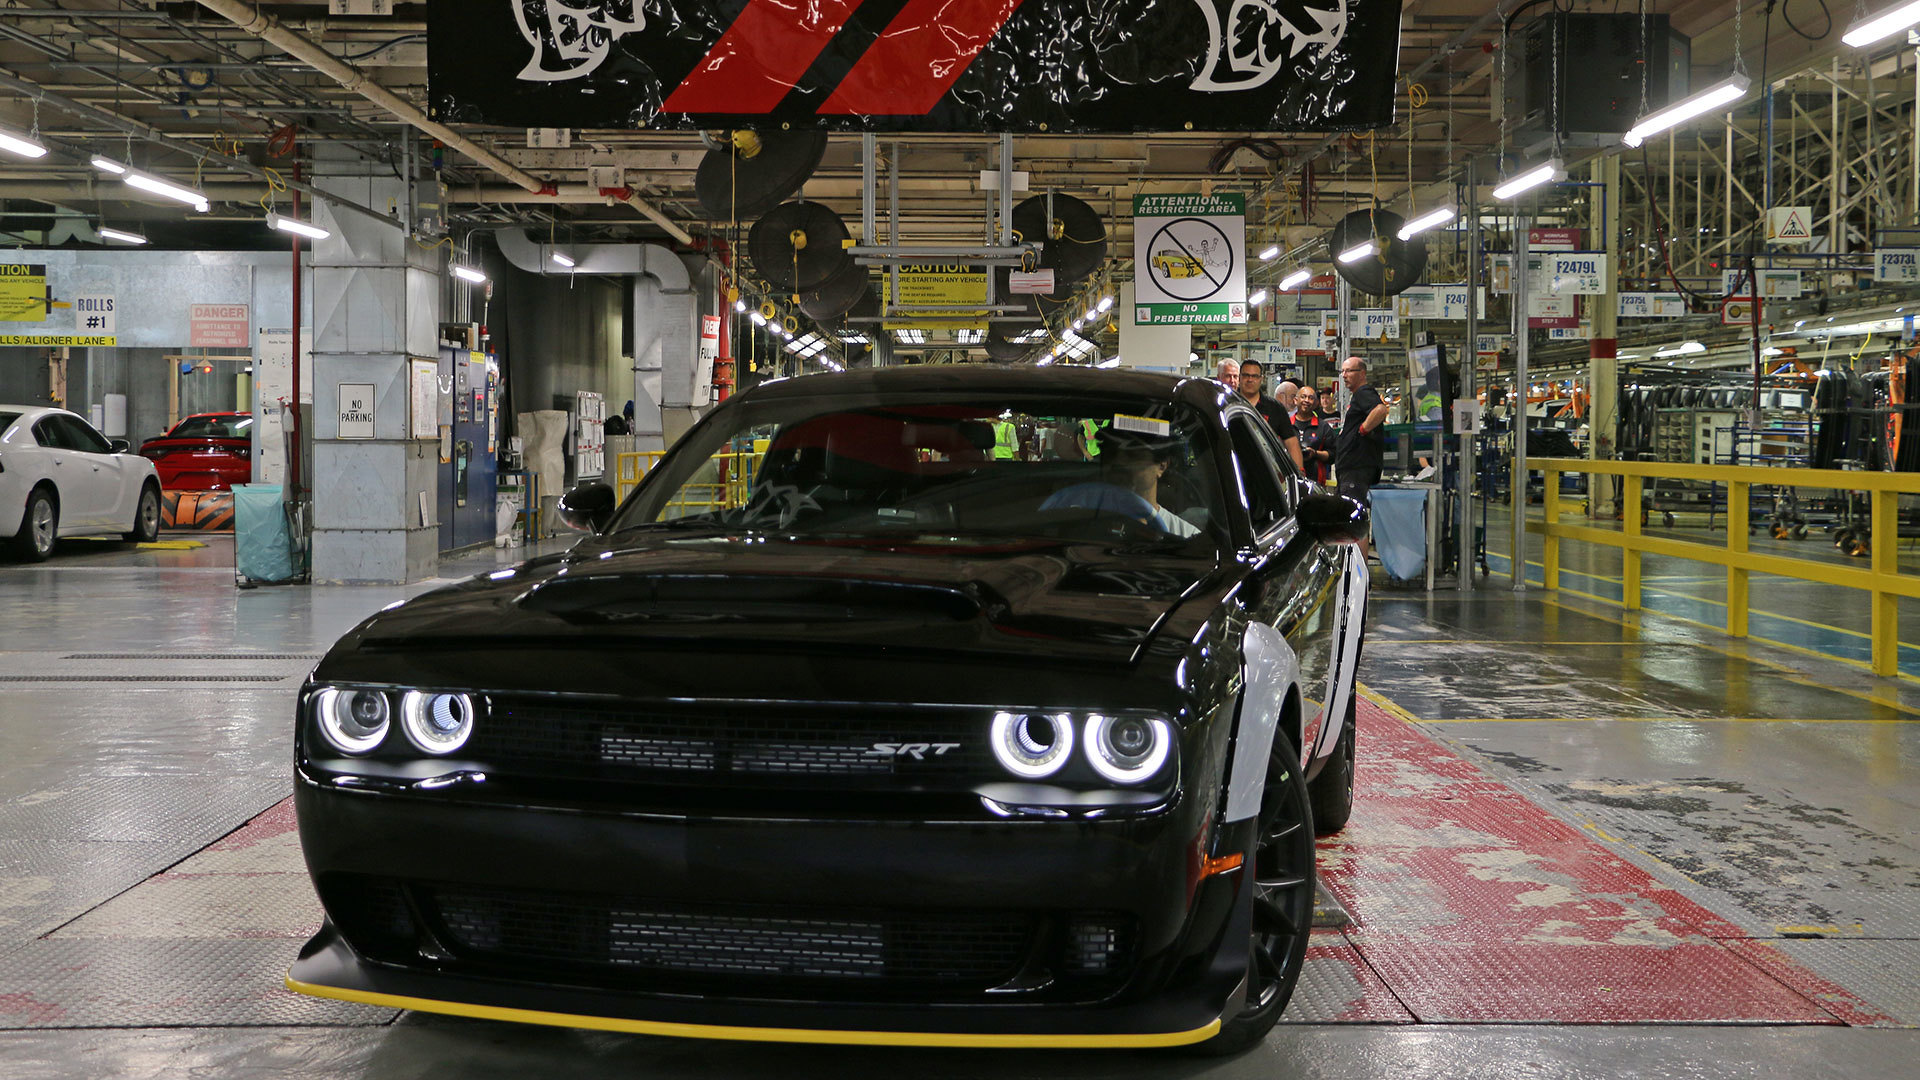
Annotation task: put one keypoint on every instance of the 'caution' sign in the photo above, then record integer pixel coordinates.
(23, 292)
(1790, 225)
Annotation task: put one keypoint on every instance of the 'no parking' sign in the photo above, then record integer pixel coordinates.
(1189, 259)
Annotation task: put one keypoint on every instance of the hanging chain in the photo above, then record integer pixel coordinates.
(1557, 118)
(1739, 33)
(1646, 51)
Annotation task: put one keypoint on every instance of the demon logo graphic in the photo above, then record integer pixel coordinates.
(1259, 38)
(571, 38)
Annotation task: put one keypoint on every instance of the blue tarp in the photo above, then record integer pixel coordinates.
(1400, 531)
(261, 550)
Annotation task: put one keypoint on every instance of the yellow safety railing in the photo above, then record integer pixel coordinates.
(1881, 579)
(728, 488)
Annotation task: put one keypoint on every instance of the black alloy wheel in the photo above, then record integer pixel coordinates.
(1283, 875)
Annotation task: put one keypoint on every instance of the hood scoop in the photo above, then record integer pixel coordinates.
(682, 598)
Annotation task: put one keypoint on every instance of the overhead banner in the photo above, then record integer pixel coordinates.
(1190, 259)
(922, 65)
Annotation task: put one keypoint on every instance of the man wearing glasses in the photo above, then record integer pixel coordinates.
(1274, 413)
(1361, 446)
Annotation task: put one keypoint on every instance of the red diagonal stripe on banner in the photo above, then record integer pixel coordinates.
(924, 49)
(760, 57)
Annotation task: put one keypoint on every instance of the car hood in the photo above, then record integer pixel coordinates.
(1032, 599)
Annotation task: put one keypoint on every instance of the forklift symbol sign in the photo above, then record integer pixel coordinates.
(356, 410)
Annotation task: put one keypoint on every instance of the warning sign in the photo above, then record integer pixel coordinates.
(1189, 258)
(941, 287)
(219, 326)
(1790, 225)
(23, 292)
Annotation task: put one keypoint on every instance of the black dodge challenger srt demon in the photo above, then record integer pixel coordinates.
(863, 720)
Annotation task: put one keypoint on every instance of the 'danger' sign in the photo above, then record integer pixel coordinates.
(921, 65)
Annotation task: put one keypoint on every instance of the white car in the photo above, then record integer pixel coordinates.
(60, 477)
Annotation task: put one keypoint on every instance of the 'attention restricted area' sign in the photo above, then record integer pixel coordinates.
(1189, 259)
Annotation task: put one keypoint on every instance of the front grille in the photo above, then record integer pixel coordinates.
(736, 745)
(631, 944)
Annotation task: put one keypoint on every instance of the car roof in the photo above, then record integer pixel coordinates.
(35, 412)
(969, 379)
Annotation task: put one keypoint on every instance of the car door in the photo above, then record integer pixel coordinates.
(68, 471)
(98, 476)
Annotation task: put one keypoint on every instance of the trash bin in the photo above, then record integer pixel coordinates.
(262, 550)
(1400, 531)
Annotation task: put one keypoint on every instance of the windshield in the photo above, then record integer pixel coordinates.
(212, 427)
(1140, 470)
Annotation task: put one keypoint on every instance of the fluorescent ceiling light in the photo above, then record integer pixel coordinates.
(1886, 25)
(1078, 323)
(1106, 304)
(1355, 254)
(166, 190)
(1111, 361)
(106, 166)
(1720, 94)
(759, 319)
(1296, 279)
(910, 336)
(1043, 361)
(564, 260)
(1684, 349)
(297, 227)
(1257, 298)
(1532, 178)
(468, 273)
(1270, 254)
(855, 339)
(121, 237)
(1424, 222)
(21, 145)
(739, 305)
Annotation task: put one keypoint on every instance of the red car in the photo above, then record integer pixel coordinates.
(204, 452)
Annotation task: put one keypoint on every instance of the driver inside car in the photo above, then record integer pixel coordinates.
(1131, 465)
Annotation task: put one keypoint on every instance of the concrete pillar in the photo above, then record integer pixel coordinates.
(376, 304)
(1603, 369)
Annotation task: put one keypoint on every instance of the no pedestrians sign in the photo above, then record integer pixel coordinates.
(1189, 259)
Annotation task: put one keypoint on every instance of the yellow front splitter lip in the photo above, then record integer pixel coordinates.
(759, 1034)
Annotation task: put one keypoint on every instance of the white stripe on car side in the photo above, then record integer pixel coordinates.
(1271, 671)
(1346, 664)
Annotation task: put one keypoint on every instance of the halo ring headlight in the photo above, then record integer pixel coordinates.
(1128, 749)
(1032, 745)
(354, 721)
(437, 723)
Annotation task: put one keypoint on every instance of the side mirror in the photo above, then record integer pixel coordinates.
(588, 506)
(1333, 519)
(120, 446)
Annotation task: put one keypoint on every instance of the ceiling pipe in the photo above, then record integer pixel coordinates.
(270, 30)
(651, 259)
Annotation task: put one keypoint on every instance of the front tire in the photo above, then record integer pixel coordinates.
(146, 518)
(1332, 791)
(39, 527)
(1282, 882)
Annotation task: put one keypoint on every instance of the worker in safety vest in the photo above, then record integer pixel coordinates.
(1090, 436)
(1005, 442)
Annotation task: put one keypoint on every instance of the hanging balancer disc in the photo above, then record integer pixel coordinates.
(837, 295)
(1390, 270)
(780, 162)
(1074, 238)
(797, 246)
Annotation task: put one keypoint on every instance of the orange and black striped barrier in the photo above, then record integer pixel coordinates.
(206, 511)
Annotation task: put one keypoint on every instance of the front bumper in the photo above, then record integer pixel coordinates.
(1187, 933)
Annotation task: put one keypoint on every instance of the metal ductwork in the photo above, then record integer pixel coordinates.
(664, 336)
(273, 32)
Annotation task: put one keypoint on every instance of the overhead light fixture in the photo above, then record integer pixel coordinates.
(1686, 348)
(1272, 253)
(1106, 304)
(468, 273)
(1532, 178)
(297, 227)
(739, 305)
(21, 145)
(1296, 279)
(564, 260)
(1111, 361)
(1723, 93)
(164, 189)
(1424, 222)
(1257, 298)
(106, 166)
(1359, 251)
(120, 237)
(759, 319)
(1884, 26)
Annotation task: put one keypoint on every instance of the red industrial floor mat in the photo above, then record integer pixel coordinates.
(1474, 904)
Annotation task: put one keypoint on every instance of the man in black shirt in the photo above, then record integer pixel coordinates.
(1361, 445)
(1316, 435)
(1270, 410)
